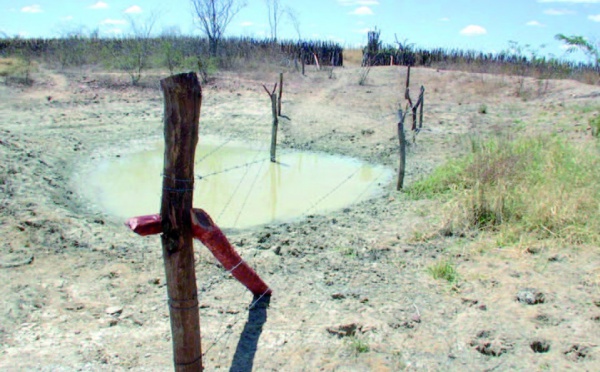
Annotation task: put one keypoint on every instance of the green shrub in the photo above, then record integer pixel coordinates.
(443, 270)
(541, 187)
(19, 69)
(358, 346)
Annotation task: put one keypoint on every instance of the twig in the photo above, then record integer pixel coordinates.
(417, 309)
(12, 265)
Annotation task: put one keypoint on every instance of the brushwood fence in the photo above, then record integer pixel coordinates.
(81, 50)
(375, 54)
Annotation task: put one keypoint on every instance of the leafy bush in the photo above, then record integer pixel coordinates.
(17, 69)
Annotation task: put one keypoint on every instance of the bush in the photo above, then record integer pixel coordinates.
(17, 69)
(443, 270)
(538, 187)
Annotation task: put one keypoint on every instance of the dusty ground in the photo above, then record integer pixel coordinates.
(351, 289)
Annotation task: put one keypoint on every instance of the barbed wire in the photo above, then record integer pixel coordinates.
(238, 186)
(230, 169)
(243, 206)
(215, 150)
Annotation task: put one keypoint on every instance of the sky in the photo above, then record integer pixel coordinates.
(484, 25)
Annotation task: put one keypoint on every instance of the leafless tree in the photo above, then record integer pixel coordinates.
(142, 28)
(213, 17)
(135, 55)
(275, 12)
(295, 20)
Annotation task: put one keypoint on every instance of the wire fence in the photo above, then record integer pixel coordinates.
(227, 327)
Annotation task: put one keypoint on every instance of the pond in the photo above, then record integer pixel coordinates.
(236, 183)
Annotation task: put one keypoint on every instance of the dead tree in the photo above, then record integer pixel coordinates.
(273, 97)
(415, 128)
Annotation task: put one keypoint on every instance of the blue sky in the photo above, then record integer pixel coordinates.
(485, 25)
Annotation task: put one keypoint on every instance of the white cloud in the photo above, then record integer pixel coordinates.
(357, 2)
(445, 19)
(558, 12)
(594, 17)
(133, 9)
(534, 24)
(99, 5)
(571, 1)
(363, 30)
(473, 30)
(32, 9)
(113, 22)
(114, 31)
(247, 24)
(67, 18)
(363, 10)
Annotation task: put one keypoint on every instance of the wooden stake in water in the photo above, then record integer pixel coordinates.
(275, 125)
(183, 99)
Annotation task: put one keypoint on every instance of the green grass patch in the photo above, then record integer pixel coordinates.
(541, 187)
(595, 126)
(12, 66)
(443, 270)
(358, 346)
(17, 69)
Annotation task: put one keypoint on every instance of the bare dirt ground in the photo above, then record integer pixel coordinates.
(351, 288)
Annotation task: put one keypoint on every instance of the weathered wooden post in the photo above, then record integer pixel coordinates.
(183, 99)
(407, 89)
(402, 140)
(280, 94)
(421, 108)
(273, 97)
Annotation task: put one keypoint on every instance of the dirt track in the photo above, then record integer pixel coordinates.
(351, 290)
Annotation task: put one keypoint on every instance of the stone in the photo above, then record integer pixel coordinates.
(114, 310)
(344, 330)
(530, 296)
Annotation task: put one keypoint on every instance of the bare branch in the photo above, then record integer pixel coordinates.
(213, 17)
(295, 20)
(275, 11)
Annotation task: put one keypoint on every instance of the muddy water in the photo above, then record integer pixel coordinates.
(237, 184)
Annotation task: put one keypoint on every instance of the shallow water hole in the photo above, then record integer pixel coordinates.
(236, 183)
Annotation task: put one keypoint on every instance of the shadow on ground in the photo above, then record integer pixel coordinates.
(243, 360)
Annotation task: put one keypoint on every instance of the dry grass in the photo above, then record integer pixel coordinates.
(522, 189)
(353, 57)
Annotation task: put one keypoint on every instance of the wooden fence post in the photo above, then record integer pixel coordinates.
(273, 97)
(402, 141)
(183, 99)
(407, 89)
(421, 108)
(280, 94)
(317, 62)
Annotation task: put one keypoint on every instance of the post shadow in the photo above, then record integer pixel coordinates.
(243, 359)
